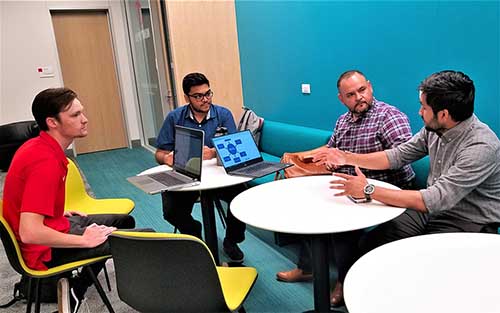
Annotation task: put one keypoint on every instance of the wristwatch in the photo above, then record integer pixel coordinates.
(368, 190)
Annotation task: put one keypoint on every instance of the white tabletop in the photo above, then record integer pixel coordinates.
(212, 176)
(453, 272)
(306, 205)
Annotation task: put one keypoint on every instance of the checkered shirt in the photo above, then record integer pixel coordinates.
(381, 127)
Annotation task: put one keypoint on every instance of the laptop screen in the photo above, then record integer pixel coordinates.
(236, 148)
(188, 152)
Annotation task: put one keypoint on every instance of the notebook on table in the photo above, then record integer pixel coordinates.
(240, 156)
(186, 170)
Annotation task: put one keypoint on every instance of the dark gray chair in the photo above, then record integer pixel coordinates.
(12, 136)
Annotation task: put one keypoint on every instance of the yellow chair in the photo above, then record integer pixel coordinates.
(16, 260)
(77, 198)
(163, 272)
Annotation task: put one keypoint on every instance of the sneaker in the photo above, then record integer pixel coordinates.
(67, 300)
(233, 251)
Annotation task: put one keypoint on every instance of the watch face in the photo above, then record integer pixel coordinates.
(369, 189)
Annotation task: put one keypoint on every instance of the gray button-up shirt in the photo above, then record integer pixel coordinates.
(464, 175)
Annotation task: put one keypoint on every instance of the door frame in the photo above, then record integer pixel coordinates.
(89, 7)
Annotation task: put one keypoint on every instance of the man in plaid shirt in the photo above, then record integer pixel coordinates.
(369, 126)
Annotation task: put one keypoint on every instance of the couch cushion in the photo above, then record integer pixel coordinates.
(421, 168)
(278, 138)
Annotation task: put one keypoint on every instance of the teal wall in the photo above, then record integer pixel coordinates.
(395, 43)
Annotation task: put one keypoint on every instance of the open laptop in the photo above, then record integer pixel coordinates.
(186, 171)
(240, 156)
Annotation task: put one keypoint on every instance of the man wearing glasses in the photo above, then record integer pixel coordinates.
(199, 113)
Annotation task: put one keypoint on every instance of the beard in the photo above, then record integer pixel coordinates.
(434, 127)
(198, 110)
(360, 112)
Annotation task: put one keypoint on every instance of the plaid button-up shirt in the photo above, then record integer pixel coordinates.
(381, 127)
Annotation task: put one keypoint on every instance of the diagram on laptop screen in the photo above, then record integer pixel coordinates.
(235, 150)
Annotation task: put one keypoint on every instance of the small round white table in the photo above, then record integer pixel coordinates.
(306, 205)
(451, 272)
(212, 177)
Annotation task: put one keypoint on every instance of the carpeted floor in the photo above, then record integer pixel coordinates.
(106, 173)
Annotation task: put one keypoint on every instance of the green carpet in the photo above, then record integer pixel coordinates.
(106, 173)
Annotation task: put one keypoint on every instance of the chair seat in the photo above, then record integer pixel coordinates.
(90, 205)
(64, 268)
(236, 283)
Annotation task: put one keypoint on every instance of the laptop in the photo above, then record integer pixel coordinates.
(240, 156)
(186, 171)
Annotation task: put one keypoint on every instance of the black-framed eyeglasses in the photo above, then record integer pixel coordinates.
(200, 96)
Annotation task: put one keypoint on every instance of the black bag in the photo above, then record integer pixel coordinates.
(48, 290)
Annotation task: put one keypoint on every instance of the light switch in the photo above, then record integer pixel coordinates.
(306, 89)
(45, 71)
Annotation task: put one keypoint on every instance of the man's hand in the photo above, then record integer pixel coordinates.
(208, 153)
(95, 235)
(74, 213)
(168, 159)
(331, 157)
(349, 185)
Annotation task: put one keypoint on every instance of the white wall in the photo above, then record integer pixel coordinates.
(27, 41)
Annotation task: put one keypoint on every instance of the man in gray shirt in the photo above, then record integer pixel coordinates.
(463, 186)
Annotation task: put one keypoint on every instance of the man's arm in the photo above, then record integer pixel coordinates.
(32, 230)
(164, 157)
(354, 185)
(374, 161)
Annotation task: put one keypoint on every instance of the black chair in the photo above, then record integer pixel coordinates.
(12, 136)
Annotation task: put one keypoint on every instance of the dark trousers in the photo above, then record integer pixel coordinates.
(178, 206)
(78, 225)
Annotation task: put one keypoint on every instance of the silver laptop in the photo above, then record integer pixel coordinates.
(188, 156)
(240, 156)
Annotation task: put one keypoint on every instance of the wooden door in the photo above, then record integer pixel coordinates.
(204, 38)
(88, 67)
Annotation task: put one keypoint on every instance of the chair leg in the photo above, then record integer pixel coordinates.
(37, 295)
(241, 310)
(99, 289)
(28, 305)
(106, 276)
(220, 210)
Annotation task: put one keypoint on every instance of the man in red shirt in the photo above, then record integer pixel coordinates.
(34, 194)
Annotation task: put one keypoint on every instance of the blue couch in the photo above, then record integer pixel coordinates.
(278, 138)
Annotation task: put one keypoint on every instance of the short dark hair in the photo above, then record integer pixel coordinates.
(49, 103)
(348, 74)
(193, 79)
(450, 90)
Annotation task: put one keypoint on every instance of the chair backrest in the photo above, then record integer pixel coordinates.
(159, 272)
(75, 187)
(10, 244)
(12, 136)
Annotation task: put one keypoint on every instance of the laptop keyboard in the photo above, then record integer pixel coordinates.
(167, 179)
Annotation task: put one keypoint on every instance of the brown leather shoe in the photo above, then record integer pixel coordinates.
(293, 276)
(337, 295)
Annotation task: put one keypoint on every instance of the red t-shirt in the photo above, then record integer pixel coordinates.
(36, 183)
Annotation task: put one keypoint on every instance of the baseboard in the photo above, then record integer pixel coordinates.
(136, 143)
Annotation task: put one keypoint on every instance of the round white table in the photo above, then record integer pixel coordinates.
(306, 205)
(212, 177)
(451, 272)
